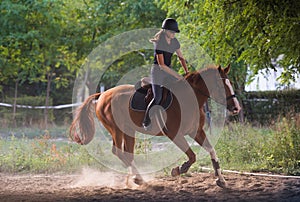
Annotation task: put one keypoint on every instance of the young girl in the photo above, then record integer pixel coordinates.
(165, 44)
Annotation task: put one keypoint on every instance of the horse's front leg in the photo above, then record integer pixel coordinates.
(221, 182)
(181, 169)
(204, 142)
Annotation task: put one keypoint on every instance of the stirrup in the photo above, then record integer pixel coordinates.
(147, 125)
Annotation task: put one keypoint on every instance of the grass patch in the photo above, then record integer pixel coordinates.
(240, 147)
(274, 149)
(30, 133)
(42, 155)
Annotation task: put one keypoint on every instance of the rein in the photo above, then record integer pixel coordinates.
(208, 96)
(227, 98)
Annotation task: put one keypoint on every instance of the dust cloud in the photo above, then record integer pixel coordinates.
(96, 178)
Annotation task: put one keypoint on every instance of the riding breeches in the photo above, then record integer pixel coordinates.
(159, 79)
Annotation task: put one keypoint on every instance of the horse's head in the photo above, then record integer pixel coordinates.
(213, 82)
(232, 102)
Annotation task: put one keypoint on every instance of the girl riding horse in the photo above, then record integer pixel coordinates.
(165, 44)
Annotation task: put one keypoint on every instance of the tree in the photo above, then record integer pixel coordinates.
(13, 55)
(110, 18)
(44, 43)
(33, 42)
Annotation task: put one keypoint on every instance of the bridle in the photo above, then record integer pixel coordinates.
(230, 97)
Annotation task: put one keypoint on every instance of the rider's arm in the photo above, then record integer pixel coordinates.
(182, 60)
(161, 63)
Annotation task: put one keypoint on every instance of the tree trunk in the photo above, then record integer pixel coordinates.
(15, 104)
(49, 79)
(85, 83)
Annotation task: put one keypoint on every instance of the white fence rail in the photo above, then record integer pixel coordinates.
(42, 107)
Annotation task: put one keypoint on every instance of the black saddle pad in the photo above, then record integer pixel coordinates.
(139, 103)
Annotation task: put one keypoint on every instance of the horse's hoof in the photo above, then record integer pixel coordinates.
(175, 171)
(138, 180)
(221, 183)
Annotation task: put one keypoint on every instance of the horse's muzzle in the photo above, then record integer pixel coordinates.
(235, 107)
(234, 110)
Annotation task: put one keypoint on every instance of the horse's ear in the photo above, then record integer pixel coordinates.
(227, 69)
(219, 68)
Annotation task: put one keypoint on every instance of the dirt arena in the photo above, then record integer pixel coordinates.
(90, 185)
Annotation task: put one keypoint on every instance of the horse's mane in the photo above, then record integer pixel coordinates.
(195, 76)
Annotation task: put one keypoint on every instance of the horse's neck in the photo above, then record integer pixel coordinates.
(188, 89)
(202, 98)
(201, 91)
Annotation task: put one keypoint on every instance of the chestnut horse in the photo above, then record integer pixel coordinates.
(112, 109)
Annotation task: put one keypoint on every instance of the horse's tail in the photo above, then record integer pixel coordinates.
(82, 129)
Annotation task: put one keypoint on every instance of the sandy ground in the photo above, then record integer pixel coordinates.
(90, 185)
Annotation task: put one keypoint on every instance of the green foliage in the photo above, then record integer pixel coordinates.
(253, 32)
(285, 147)
(26, 116)
(32, 37)
(240, 147)
(266, 107)
(35, 51)
(111, 18)
(143, 145)
(276, 149)
(41, 155)
(43, 43)
(122, 66)
(47, 41)
(243, 147)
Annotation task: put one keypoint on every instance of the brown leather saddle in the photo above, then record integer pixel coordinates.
(143, 95)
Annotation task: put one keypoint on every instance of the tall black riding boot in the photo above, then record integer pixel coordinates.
(157, 97)
(147, 120)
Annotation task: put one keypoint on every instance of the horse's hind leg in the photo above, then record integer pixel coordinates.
(201, 139)
(129, 142)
